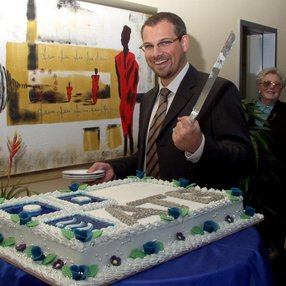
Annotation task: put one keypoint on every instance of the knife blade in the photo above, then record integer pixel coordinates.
(213, 75)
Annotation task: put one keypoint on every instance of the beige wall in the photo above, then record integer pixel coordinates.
(210, 21)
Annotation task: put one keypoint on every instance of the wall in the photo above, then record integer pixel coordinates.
(209, 22)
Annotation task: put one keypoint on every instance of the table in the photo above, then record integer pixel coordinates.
(237, 260)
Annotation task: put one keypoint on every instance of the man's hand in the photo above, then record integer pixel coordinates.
(108, 172)
(187, 135)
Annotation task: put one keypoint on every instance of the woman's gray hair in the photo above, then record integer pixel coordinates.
(272, 70)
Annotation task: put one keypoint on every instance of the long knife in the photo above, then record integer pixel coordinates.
(212, 76)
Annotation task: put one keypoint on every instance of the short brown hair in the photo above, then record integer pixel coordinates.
(180, 27)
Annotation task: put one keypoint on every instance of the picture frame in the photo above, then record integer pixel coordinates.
(48, 81)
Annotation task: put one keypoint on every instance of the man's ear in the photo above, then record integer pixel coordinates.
(185, 41)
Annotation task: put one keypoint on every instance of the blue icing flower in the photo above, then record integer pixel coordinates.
(74, 187)
(37, 253)
(83, 235)
(249, 211)
(174, 212)
(79, 272)
(210, 226)
(140, 174)
(236, 191)
(24, 217)
(183, 182)
(151, 247)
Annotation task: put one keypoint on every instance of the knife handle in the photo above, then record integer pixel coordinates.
(193, 115)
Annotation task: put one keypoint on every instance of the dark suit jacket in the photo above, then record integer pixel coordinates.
(227, 154)
(277, 122)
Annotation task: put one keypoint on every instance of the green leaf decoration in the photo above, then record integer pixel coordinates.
(64, 190)
(2, 200)
(197, 230)
(15, 218)
(137, 253)
(32, 223)
(161, 245)
(148, 178)
(234, 198)
(10, 241)
(97, 233)
(83, 187)
(190, 186)
(245, 216)
(49, 259)
(29, 251)
(165, 217)
(67, 233)
(231, 197)
(66, 271)
(185, 212)
(176, 183)
(92, 270)
(131, 177)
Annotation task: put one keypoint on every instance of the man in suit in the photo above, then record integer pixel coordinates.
(212, 151)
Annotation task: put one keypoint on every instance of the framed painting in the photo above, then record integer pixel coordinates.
(71, 75)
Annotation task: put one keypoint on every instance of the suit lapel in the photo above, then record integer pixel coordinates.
(186, 94)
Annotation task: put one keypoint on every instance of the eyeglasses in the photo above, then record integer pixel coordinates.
(148, 47)
(267, 83)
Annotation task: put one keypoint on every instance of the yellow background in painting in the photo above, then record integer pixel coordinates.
(114, 136)
(91, 140)
(31, 31)
(59, 64)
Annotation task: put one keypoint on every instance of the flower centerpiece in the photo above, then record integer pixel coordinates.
(8, 190)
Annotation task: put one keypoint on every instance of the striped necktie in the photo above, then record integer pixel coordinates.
(152, 164)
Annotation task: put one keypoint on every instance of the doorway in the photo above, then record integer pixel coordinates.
(258, 48)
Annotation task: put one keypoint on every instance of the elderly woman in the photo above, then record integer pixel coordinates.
(272, 192)
(270, 83)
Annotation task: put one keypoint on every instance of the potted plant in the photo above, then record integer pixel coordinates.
(266, 164)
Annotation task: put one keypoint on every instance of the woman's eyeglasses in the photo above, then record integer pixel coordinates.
(268, 83)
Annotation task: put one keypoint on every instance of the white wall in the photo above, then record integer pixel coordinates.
(210, 21)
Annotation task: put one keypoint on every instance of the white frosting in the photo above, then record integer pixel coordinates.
(119, 238)
(32, 208)
(81, 199)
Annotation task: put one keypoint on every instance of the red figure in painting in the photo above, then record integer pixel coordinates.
(69, 89)
(94, 86)
(127, 70)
